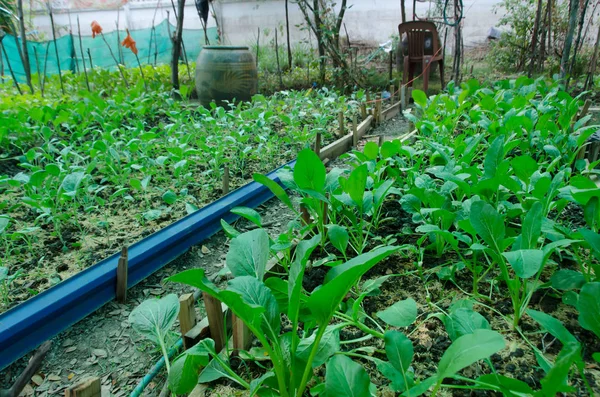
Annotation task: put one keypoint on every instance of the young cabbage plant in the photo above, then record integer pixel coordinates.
(259, 304)
(528, 257)
(153, 319)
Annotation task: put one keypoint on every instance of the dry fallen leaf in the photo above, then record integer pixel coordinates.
(54, 378)
(205, 250)
(71, 349)
(100, 353)
(71, 376)
(37, 379)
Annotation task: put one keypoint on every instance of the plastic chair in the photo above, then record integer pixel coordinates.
(422, 47)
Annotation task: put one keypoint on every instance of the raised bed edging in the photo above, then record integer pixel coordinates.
(42, 317)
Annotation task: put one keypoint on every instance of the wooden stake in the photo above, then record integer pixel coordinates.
(122, 268)
(403, 97)
(214, 312)
(187, 316)
(392, 94)
(594, 152)
(242, 338)
(341, 123)
(88, 388)
(363, 110)
(354, 131)
(369, 108)
(317, 147)
(380, 140)
(305, 214)
(226, 179)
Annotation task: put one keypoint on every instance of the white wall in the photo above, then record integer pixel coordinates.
(372, 21)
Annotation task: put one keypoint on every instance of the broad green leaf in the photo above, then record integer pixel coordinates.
(338, 235)
(553, 326)
(494, 157)
(591, 212)
(420, 98)
(356, 184)
(526, 263)
(328, 346)
(248, 254)
(4, 224)
(214, 371)
(467, 350)
(524, 167)
(567, 279)
(153, 318)
(488, 223)
(255, 384)
(532, 227)
(71, 183)
(324, 301)
(509, 387)
(371, 150)
(399, 350)
(251, 315)
(421, 388)
(169, 197)
(249, 214)
(275, 188)
(183, 376)
(464, 321)
(296, 275)
(593, 239)
(400, 314)
(589, 307)
(256, 293)
(229, 230)
(344, 377)
(191, 208)
(555, 380)
(309, 171)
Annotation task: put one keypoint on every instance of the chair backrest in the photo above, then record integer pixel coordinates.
(416, 33)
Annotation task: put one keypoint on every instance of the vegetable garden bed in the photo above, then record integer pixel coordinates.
(450, 264)
(82, 176)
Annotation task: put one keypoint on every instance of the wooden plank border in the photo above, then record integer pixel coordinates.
(342, 145)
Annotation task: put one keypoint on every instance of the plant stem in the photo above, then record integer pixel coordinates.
(231, 372)
(308, 370)
(115, 59)
(165, 355)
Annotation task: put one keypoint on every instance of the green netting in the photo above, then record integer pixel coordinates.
(154, 46)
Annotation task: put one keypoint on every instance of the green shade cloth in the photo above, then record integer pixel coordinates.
(154, 46)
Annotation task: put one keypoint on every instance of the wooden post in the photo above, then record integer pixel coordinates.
(226, 179)
(380, 140)
(305, 214)
(585, 108)
(378, 111)
(214, 312)
(242, 338)
(88, 388)
(403, 97)
(341, 123)
(354, 130)
(187, 316)
(369, 108)
(392, 94)
(363, 110)
(317, 147)
(122, 268)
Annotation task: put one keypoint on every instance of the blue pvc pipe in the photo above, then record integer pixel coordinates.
(26, 326)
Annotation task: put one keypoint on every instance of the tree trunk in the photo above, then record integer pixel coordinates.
(542, 55)
(578, 39)
(320, 45)
(24, 51)
(534, 38)
(287, 29)
(549, 26)
(338, 25)
(569, 38)
(176, 53)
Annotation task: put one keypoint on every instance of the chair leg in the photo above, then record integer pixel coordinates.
(441, 63)
(411, 73)
(405, 71)
(425, 76)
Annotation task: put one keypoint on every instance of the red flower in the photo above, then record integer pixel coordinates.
(96, 29)
(129, 42)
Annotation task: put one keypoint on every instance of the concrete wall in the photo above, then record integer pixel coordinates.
(372, 21)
